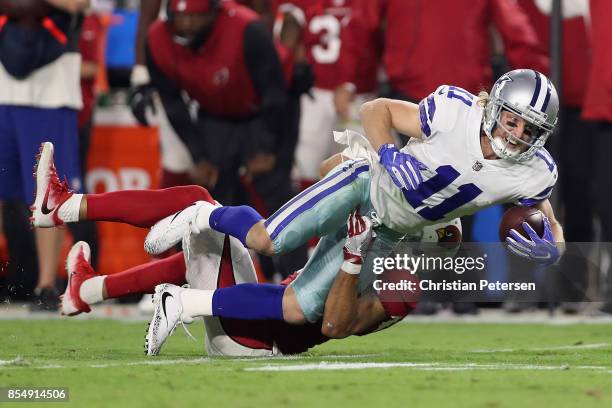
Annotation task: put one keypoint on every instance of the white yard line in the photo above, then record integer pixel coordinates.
(331, 366)
(301, 357)
(14, 362)
(19, 363)
(555, 348)
(196, 361)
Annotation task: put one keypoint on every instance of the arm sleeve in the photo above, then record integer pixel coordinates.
(523, 49)
(266, 73)
(176, 109)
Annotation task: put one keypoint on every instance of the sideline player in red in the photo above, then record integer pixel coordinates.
(324, 23)
(222, 56)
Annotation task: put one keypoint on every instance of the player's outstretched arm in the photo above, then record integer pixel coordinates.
(555, 225)
(381, 116)
(341, 317)
(340, 306)
(346, 314)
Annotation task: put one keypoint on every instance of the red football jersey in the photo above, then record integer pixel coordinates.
(323, 36)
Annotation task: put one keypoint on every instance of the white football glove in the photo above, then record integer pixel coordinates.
(357, 242)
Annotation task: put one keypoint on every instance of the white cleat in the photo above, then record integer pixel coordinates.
(167, 315)
(171, 230)
(51, 192)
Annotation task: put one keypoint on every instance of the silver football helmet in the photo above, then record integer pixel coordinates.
(532, 96)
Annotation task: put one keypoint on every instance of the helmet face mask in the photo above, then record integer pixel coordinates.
(530, 96)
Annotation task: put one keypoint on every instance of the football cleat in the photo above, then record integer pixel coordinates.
(167, 315)
(51, 192)
(171, 230)
(79, 270)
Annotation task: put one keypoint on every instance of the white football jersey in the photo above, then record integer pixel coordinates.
(458, 180)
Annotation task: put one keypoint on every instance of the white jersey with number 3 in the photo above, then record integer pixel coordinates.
(458, 180)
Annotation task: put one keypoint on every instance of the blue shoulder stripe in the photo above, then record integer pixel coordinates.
(431, 107)
(423, 116)
(548, 159)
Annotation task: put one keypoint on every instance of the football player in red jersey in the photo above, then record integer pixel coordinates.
(324, 23)
(213, 261)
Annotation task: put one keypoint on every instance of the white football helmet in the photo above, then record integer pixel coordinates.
(532, 96)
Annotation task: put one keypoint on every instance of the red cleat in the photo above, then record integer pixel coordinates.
(79, 270)
(51, 193)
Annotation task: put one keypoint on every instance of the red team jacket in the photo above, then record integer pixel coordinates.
(428, 43)
(576, 51)
(598, 101)
(216, 76)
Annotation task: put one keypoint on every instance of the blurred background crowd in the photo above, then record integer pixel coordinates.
(242, 97)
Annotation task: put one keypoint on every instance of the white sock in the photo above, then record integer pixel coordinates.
(197, 302)
(202, 218)
(91, 290)
(69, 211)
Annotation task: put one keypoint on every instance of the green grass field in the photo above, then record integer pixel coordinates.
(428, 365)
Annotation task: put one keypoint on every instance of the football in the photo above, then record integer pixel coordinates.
(514, 217)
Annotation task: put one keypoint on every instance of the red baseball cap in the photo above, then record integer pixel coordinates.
(190, 6)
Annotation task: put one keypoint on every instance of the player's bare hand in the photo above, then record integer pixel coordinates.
(204, 173)
(260, 163)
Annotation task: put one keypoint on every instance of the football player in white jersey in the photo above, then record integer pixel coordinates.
(466, 153)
